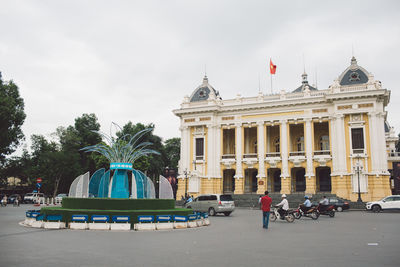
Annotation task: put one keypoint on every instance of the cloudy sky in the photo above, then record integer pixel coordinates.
(136, 60)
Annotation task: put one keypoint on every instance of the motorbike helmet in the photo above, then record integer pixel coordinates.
(283, 195)
(305, 197)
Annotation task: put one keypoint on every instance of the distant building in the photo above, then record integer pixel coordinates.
(307, 140)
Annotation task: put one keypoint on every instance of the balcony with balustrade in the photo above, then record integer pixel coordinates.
(321, 152)
(250, 146)
(228, 157)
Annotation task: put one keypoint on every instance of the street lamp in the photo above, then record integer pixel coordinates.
(359, 200)
(185, 172)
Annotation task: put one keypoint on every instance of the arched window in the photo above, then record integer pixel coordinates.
(277, 145)
(324, 142)
(300, 143)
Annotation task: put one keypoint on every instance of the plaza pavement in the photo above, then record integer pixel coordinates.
(238, 240)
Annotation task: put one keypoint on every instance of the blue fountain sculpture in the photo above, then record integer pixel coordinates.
(122, 153)
(95, 182)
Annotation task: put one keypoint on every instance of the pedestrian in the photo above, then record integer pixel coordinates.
(266, 208)
(4, 201)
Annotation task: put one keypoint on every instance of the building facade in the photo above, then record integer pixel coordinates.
(334, 140)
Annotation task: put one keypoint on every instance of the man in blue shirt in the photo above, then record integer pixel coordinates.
(306, 204)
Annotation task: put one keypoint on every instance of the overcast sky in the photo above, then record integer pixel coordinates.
(136, 60)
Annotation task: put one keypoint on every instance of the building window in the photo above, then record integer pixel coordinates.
(277, 145)
(300, 143)
(199, 148)
(324, 142)
(357, 139)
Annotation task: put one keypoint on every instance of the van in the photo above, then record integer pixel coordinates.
(213, 204)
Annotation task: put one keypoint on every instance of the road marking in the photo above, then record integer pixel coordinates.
(372, 244)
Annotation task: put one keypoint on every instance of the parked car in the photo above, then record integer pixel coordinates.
(33, 197)
(59, 197)
(213, 204)
(386, 203)
(11, 199)
(339, 204)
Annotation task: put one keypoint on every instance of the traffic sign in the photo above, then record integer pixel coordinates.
(38, 185)
(39, 180)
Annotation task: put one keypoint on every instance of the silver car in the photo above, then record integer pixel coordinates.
(213, 204)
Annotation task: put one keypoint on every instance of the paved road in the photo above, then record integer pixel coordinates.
(238, 240)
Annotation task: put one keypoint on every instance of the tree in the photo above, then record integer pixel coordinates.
(85, 127)
(172, 148)
(12, 116)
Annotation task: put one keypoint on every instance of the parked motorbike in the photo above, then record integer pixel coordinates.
(16, 203)
(288, 215)
(326, 210)
(312, 213)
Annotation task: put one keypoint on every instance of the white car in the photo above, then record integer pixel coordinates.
(33, 197)
(59, 197)
(386, 203)
(213, 204)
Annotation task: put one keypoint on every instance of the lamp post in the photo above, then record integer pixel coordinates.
(359, 200)
(185, 172)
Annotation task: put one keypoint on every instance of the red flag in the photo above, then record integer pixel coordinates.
(272, 67)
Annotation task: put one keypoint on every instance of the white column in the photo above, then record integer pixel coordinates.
(333, 138)
(373, 140)
(309, 155)
(218, 152)
(261, 149)
(341, 144)
(210, 150)
(284, 151)
(184, 154)
(238, 144)
(189, 138)
(380, 128)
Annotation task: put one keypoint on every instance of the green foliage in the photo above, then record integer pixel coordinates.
(118, 204)
(59, 161)
(12, 116)
(173, 152)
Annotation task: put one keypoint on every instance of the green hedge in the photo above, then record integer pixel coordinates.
(118, 204)
(67, 213)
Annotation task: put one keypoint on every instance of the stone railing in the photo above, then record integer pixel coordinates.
(393, 154)
(322, 152)
(228, 156)
(249, 155)
(297, 153)
(273, 154)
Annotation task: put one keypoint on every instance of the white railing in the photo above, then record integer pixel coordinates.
(322, 152)
(199, 157)
(273, 154)
(353, 88)
(250, 155)
(294, 95)
(297, 153)
(393, 154)
(358, 151)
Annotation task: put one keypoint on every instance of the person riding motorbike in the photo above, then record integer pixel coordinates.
(283, 206)
(306, 205)
(324, 203)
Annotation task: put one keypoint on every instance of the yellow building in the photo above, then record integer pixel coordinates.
(333, 140)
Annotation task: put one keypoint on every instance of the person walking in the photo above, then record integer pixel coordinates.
(265, 202)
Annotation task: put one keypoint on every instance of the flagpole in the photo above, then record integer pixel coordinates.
(271, 83)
